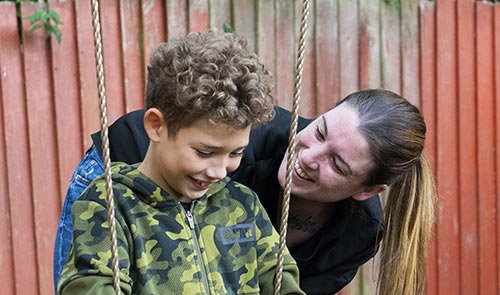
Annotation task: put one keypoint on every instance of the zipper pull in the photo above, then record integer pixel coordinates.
(190, 220)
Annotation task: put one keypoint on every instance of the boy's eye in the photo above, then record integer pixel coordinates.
(203, 154)
(237, 154)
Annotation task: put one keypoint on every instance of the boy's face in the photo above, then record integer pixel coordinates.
(187, 164)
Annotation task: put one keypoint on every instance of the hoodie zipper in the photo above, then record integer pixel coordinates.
(190, 220)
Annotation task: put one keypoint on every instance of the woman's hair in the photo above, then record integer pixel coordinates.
(395, 132)
(210, 76)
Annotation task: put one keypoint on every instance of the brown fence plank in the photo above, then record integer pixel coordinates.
(112, 54)
(349, 46)
(390, 51)
(486, 149)
(428, 107)
(198, 15)
(87, 71)
(177, 18)
(369, 44)
(285, 53)
(497, 126)
(65, 83)
(327, 53)
(410, 61)
(447, 156)
(6, 251)
(42, 139)
(467, 125)
(132, 61)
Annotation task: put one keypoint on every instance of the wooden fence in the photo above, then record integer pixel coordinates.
(443, 55)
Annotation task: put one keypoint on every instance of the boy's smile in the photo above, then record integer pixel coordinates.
(187, 164)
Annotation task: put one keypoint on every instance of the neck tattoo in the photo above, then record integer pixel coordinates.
(306, 224)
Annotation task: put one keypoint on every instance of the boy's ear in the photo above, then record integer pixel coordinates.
(154, 124)
(370, 192)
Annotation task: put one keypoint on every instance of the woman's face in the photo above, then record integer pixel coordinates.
(332, 158)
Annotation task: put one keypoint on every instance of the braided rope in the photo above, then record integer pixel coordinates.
(291, 145)
(105, 146)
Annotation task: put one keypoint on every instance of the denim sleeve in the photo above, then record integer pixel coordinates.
(87, 170)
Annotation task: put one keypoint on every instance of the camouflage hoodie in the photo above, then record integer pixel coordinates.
(225, 243)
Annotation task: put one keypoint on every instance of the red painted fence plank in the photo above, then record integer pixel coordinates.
(243, 20)
(369, 44)
(497, 126)
(428, 108)
(467, 126)
(348, 46)
(154, 28)
(265, 39)
(112, 54)
(198, 15)
(17, 154)
(131, 40)
(327, 52)
(390, 32)
(410, 61)
(87, 71)
(177, 18)
(6, 251)
(67, 107)
(486, 150)
(307, 104)
(447, 156)
(220, 13)
(42, 140)
(285, 49)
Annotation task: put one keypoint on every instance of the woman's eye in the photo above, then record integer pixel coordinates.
(337, 168)
(319, 134)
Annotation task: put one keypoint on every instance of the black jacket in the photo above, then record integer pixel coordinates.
(330, 259)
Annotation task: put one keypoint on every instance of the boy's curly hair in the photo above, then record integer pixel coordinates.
(210, 76)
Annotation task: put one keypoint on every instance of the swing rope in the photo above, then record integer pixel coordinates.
(107, 159)
(105, 147)
(285, 207)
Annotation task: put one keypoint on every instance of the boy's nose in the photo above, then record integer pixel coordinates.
(217, 170)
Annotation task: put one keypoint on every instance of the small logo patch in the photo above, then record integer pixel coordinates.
(239, 233)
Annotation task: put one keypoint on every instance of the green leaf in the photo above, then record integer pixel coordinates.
(227, 28)
(35, 16)
(45, 17)
(35, 27)
(58, 34)
(54, 16)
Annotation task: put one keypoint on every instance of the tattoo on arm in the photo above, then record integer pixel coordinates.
(303, 224)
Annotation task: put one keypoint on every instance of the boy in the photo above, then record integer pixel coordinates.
(183, 226)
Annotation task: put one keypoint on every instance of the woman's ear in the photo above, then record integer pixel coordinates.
(154, 124)
(370, 192)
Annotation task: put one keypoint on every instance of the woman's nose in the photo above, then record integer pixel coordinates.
(309, 157)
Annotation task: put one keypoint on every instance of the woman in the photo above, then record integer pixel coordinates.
(370, 141)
